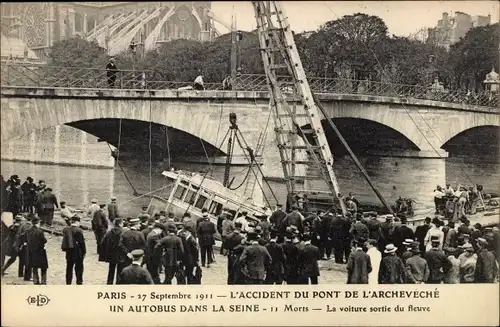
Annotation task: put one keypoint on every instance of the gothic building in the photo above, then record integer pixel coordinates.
(114, 25)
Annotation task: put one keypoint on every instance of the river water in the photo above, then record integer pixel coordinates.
(78, 185)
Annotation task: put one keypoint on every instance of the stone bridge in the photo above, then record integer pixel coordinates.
(403, 143)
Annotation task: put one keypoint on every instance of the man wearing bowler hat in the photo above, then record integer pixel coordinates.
(153, 257)
(173, 250)
(134, 274)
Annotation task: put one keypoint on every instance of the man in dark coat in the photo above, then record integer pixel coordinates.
(402, 233)
(37, 256)
(29, 191)
(291, 254)
(308, 257)
(73, 243)
(337, 235)
(421, 232)
(206, 232)
(230, 243)
(113, 209)
(134, 274)
(147, 230)
(276, 219)
(191, 254)
(111, 72)
(173, 250)
(294, 218)
(99, 226)
(374, 227)
(49, 204)
(25, 269)
(132, 239)
(392, 269)
(486, 265)
(265, 225)
(10, 243)
(328, 226)
(387, 229)
(417, 269)
(112, 253)
(438, 262)
(275, 272)
(153, 257)
(220, 220)
(16, 198)
(358, 265)
(358, 229)
(255, 260)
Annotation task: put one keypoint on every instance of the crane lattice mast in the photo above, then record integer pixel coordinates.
(300, 137)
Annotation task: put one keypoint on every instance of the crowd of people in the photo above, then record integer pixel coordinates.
(283, 248)
(455, 204)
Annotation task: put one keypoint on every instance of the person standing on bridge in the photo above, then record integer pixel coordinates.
(111, 72)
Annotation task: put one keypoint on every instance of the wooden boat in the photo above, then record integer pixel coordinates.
(192, 192)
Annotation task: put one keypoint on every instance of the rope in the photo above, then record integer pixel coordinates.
(145, 194)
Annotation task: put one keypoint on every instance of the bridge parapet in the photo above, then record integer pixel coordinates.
(44, 76)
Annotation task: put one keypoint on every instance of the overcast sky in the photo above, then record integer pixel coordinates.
(401, 17)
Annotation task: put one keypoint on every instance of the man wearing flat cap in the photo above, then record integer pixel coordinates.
(438, 262)
(73, 243)
(486, 266)
(135, 274)
(113, 209)
(171, 246)
(93, 207)
(132, 239)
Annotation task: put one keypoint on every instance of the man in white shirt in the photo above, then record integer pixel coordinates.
(67, 213)
(198, 83)
(438, 198)
(243, 221)
(93, 208)
(375, 258)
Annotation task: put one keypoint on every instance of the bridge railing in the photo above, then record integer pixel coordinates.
(30, 75)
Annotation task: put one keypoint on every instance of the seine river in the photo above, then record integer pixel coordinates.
(79, 185)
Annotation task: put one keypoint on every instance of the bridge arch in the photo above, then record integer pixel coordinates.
(23, 116)
(475, 123)
(133, 137)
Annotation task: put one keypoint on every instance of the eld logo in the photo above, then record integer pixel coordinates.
(39, 300)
